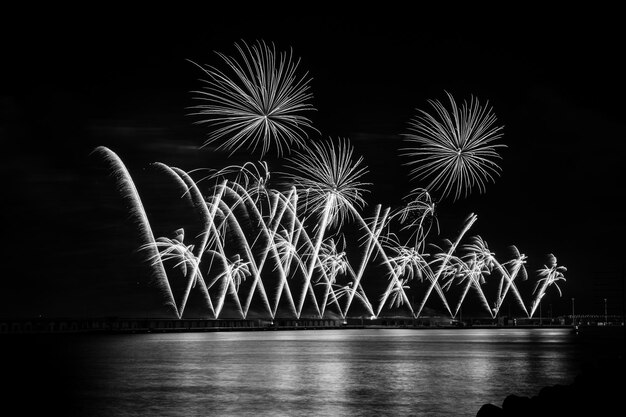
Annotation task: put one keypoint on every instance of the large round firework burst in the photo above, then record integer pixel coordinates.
(330, 178)
(454, 149)
(257, 102)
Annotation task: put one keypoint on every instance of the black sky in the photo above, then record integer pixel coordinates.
(122, 80)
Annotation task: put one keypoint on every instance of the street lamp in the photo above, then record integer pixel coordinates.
(605, 316)
(573, 316)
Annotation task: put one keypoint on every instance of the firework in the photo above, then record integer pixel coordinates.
(330, 179)
(455, 149)
(257, 103)
(127, 189)
(551, 274)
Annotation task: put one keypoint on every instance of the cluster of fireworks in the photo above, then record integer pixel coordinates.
(305, 245)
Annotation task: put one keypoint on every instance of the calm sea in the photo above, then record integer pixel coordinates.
(371, 372)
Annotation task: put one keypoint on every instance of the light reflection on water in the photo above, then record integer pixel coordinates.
(317, 373)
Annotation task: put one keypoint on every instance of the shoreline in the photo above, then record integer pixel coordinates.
(138, 326)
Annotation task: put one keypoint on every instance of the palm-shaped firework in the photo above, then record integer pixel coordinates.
(395, 297)
(479, 250)
(176, 250)
(286, 250)
(454, 149)
(417, 216)
(551, 274)
(333, 259)
(407, 261)
(511, 270)
(258, 102)
(455, 270)
(234, 271)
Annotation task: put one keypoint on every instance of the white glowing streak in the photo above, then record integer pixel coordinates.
(481, 263)
(369, 248)
(314, 256)
(129, 192)
(332, 263)
(231, 276)
(191, 189)
(228, 214)
(260, 102)
(246, 173)
(510, 284)
(292, 240)
(374, 236)
(243, 198)
(272, 247)
(359, 293)
(444, 262)
(176, 250)
(395, 298)
(346, 290)
(473, 276)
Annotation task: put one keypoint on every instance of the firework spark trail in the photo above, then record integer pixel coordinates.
(510, 284)
(455, 149)
(245, 199)
(227, 211)
(395, 285)
(394, 278)
(231, 276)
(221, 253)
(259, 102)
(298, 231)
(314, 256)
(404, 264)
(476, 281)
(243, 196)
(129, 192)
(191, 190)
(271, 233)
(332, 263)
(343, 291)
(369, 248)
(481, 262)
(472, 219)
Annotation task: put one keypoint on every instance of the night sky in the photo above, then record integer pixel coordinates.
(123, 80)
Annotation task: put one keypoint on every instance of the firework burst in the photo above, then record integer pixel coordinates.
(330, 178)
(550, 274)
(258, 102)
(455, 149)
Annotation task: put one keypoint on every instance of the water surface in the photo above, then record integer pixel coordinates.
(298, 373)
